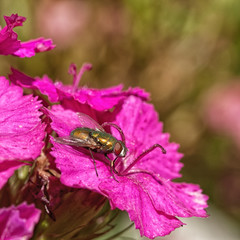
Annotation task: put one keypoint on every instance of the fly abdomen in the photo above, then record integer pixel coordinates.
(81, 133)
(84, 139)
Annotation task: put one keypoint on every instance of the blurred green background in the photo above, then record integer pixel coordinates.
(177, 50)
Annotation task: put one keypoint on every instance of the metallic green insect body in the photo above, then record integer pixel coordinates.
(98, 141)
(92, 136)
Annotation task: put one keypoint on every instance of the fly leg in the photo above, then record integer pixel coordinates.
(143, 155)
(116, 127)
(154, 176)
(112, 167)
(93, 162)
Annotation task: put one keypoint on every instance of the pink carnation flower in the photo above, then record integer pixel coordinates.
(72, 96)
(18, 222)
(21, 130)
(144, 189)
(10, 45)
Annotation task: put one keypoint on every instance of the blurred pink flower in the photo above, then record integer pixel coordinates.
(10, 45)
(222, 110)
(62, 20)
(21, 130)
(18, 222)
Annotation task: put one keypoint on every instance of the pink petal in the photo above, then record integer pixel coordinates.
(128, 195)
(99, 99)
(18, 222)
(14, 20)
(107, 98)
(175, 199)
(7, 168)
(31, 47)
(8, 38)
(77, 167)
(44, 84)
(21, 131)
(10, 45)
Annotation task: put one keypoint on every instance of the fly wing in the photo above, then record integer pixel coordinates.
(86, 121)
(72, 141)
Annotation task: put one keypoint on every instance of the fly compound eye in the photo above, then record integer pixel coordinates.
(118, 148)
